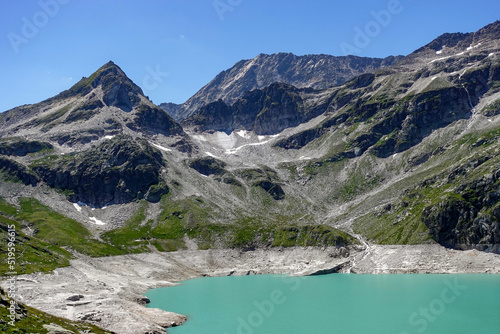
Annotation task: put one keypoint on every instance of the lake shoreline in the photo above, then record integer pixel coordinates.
(111, 288)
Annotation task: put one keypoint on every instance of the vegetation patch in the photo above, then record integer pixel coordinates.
(192, 218)
(21, 147)
(57, 230)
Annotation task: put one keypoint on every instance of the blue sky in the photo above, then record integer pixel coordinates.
(171, 48)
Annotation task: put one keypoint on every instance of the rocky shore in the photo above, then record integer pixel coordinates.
(108, 291)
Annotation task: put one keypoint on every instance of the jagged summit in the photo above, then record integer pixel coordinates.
(308, 71)
(486, 40)
(491, 30)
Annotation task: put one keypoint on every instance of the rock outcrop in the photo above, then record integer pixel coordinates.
(117, 171)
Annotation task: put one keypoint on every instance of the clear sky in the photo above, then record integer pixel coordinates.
(171, 48)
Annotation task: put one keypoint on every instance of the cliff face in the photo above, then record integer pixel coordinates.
(117, 171)
(265, 111)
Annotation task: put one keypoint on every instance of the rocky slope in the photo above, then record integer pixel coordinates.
(30, 320)
(310, 71)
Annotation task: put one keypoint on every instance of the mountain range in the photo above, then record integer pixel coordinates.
(277, 151)
(311, 71)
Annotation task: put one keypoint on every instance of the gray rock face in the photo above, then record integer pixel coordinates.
(405, 121)
(314, 71)
(264, 111)
(215, 116)
(170, 108)
(89, 121)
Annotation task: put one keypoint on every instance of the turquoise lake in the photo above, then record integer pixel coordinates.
(337, 303)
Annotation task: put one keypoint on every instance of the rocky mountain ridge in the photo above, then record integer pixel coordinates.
(309, 71)
(397, 156)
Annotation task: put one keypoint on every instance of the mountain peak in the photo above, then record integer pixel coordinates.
(92, 104)
(110, 74)
(110, 63)
(118, 89)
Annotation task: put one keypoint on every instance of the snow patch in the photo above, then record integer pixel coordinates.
(210, 155)
(109, 137)
(439, 59)
(96, 221)
(491, 54)
(219, 138)
(433, 78)
(234, 150)
(304, 158)
(77, 207)
(261, 138)
(244, 133)
(199, 137)
(439, 52)
(460, 54)
(473, 46)
(161, 147)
